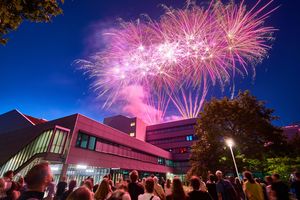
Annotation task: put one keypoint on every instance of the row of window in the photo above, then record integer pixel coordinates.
(86, 141)
(173, 129)
(174, 139)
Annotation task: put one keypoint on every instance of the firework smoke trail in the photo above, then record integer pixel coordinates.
(175, 59)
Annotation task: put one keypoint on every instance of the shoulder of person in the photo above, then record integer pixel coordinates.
(156, 198)
(126, 196)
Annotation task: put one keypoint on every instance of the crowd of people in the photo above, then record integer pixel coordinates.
(38, 184)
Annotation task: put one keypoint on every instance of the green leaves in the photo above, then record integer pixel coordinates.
(283, 166)
(14, 12)
(244, 119)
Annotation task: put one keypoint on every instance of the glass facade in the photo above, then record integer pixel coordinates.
(49, 141)
(81, 172)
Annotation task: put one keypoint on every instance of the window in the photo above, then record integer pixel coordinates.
(85, 141)
(161, 161)
(183, 150)
(132, 134)
(170, 163)
(132, 124)
(92, 143)
(189, 138)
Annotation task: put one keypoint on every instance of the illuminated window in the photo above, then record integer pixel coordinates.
(189, 138)
(92, 143)
(86, 141)
(183, 150)
(161, 161)
(132, 134)
(132, 124)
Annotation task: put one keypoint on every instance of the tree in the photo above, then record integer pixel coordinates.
(294, 146)
(244, 119)
(14, 12)
(283, 166)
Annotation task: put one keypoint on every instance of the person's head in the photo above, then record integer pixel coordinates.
(64, 179)
(268, 180)
(92, 180)
(257, 180)
(155, 179)
(219, 175)
(249, 177)
(232, 180)
(38, 177)
(82, 193)
(143, 180)
(237, 181)
(21, 180)
(134, 175)
(72, 185)
(211, 178)
(195, 183)
(168, 185)
(177, 189)
(149, 185)
(102, 190)
(9, 174)
(297, 175)
(88, 183)
(275, 177)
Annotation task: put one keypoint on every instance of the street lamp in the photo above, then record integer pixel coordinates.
(230, 144)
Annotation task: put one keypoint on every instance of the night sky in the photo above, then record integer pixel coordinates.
(38, 78)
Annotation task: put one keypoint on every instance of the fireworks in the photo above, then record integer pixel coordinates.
(175, 59)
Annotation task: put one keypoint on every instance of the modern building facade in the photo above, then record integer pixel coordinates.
(292, 130)
(78, 147)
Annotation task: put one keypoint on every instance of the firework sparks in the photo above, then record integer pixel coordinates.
(175, 58)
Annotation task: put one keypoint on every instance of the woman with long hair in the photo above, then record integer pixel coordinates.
(103, 192)
(168, 188)
(252, 189)
(177, 191)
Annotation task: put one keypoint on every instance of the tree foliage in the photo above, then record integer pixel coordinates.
(14, 12)
(283, 166)
(244, 119)
(294, 146)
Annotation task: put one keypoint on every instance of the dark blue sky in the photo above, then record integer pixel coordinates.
(38, 79)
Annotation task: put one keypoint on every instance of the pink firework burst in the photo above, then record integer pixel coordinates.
(177, 58)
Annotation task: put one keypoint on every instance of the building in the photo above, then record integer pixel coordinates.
(78, 147)
(291, 130)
